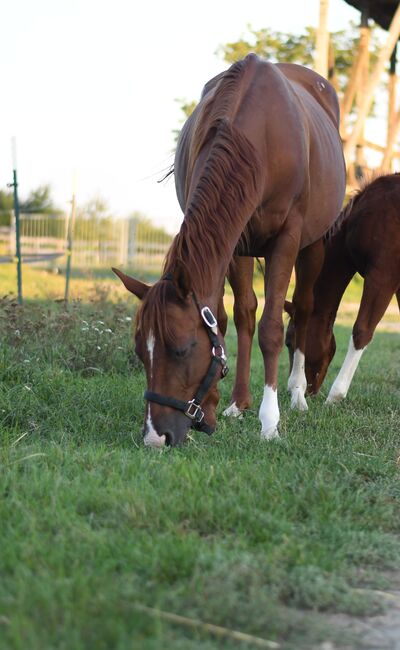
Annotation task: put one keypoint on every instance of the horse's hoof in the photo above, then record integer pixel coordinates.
(233, 411)
(299, 402)
(271, 433)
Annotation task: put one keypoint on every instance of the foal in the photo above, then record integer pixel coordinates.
(365, 239)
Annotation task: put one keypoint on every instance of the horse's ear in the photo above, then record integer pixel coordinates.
(181, 279)
(139, 289)
(289, 309)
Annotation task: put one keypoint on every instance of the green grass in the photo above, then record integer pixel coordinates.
(231, 530)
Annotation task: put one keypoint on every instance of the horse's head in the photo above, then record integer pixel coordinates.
(320, 349)
(183, 353)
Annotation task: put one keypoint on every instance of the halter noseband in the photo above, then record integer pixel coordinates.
(192, 408)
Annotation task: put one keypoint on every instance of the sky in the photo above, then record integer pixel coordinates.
(90, 89)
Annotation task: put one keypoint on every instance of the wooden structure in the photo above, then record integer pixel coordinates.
(363, 83)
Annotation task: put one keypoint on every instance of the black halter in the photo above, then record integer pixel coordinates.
(192, 409)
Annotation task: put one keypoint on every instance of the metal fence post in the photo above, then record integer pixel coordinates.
(70, 235)
(18, 259)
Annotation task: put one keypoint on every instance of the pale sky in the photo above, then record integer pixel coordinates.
(90, 85)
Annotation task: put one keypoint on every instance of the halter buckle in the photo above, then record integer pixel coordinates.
(208, 317)
(222, 355)
(194, 411)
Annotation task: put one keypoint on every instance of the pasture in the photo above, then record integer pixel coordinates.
(270, 539)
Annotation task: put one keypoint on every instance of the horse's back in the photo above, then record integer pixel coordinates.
(289, 114)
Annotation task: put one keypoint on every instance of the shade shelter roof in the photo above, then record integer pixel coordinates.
(381, 11)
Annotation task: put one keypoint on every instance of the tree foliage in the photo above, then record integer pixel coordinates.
(283, 47)
(6, 207)
(39, 201)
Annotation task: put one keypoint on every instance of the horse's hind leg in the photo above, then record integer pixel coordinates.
(375, 299)
(240, 276)
(308, 266)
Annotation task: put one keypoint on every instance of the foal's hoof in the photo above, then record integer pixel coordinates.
(271, 433)
(233, 411)
(334, 398)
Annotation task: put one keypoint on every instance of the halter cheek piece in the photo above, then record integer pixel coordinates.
(192, 409)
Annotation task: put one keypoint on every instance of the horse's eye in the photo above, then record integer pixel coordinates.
(181, 354)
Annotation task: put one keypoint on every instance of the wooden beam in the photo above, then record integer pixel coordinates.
(355, 73)
(387, 49)
(322, 42)
(392, 128)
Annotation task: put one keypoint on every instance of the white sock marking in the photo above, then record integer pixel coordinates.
(342, 382)
(151, 438)
(297, 382)
(233, 411)
(269, 414)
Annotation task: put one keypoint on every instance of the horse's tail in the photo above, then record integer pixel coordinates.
(340, 220)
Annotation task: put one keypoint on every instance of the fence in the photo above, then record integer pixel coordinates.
(96, 243)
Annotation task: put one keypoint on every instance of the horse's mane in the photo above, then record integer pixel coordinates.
(358, 194)
(152, 315)
(225, 195)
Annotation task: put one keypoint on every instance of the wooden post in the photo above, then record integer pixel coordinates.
(332, 77)
(386, 164)
(322, 44)
(365, 105)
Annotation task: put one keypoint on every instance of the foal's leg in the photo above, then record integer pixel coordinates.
(279, 265)
(374, 302)
(308, 266)
(240, 276)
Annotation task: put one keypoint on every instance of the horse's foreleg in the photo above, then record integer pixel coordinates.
(374, 302)
(308, 265)
(279, 265)
(240, 276)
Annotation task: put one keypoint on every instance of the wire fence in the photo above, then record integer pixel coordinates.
(97, 242)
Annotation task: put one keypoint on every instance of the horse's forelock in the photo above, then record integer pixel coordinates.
(153, 314)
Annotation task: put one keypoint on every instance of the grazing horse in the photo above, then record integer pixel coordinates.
(259, 172)
(366, 239)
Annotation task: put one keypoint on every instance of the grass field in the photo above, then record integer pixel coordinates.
(267, 539)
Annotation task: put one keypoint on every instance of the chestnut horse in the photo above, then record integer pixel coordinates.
(259, 172)
(366, 240)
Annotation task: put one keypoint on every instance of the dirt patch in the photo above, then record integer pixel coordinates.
(380, 632)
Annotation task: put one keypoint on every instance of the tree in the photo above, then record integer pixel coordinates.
(281, 47)
(146, 230)
(6, 207)
(39, 201)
